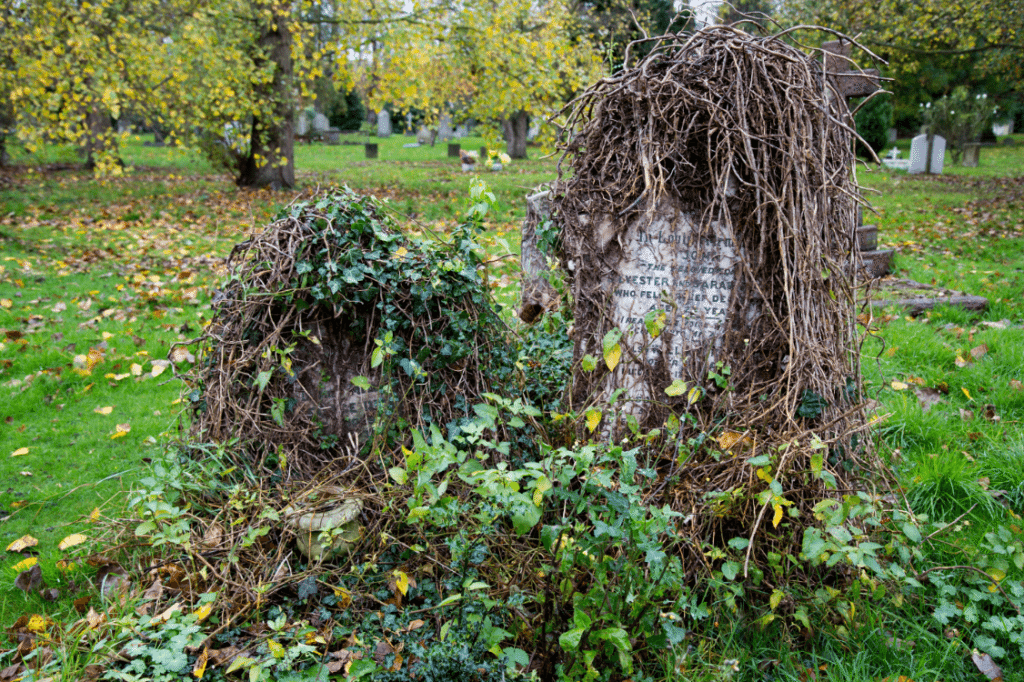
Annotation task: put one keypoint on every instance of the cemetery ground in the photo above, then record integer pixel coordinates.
(100, 278)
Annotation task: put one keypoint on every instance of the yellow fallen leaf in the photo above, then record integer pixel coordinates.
(24, 542)
(6, 303)
(402, 582)
(729, 439)
(19, 452)
(25, 564)
(104, 410)
(136, 369)
(203, 612)
(65, 565)
(157, 370)
(94, 515)
(72, 540)
(777, 519)
(275, 648)
(36, 623)
(900, 386)
(967, 393)
(199, 669)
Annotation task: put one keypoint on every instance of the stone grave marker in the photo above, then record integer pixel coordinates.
(320, 124)
(425, 136)
(302, 124)
(384, 124)
(444, 128)
(919, 154)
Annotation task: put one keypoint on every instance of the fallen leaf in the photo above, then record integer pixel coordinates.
(19, 452)
(51, 594)
(136, 369)
(966, 415)
(927, 397)
(203, 612)
(95, 619)
(30, 579)
(82, 604)
(157, 370)
(71, 541)
(961, 362)
(122, 430)
(25, 564)
(986, 666)
(199, 669)
(24, 542)
(94, 516)
(899, 386)
(1016, 385)
(414, 625)
(966, 393)
(979, 352)
(990, 412)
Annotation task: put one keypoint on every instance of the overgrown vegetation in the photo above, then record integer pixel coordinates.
(472, 578)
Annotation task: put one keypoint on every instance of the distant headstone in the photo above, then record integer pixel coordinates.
(533, 132)
(332, 136)
(1000, 129)
(919, 154)
(410, 145)
(893, 134)
(371, 150)
(454, 150)
(123, 126)
(424, 136)
(444, 129)
(384, 124)
(302, 124)
(409, 130)
(320, 123)
(971, 153)
(461, 131)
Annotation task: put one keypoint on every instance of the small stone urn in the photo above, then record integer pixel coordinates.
(341, 523)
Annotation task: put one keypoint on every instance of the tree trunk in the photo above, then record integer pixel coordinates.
(516, 127)
(271, 158)
(99, 138)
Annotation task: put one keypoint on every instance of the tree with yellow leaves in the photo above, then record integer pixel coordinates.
(501, 60)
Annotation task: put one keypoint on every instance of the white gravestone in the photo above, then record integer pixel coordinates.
(919, 153)
(444, 128)
(320, 123)
(670, 264)
(384, 124)
(302, 124)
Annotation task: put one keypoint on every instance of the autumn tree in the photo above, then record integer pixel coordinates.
(931, 45)
(506, 60)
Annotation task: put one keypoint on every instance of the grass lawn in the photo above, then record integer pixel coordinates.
(98, 280)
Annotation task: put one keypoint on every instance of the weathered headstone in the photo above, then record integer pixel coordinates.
(444, 129)
(371, 150)
(454, 150)
(972, 152)
(537, 292)
(461, 131)
(384, 124)
(919, 154)
(320, 124)
(332, 136)
(302, 124)
(424, 136)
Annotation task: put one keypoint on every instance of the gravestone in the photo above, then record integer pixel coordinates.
(919, 154)
(371, 150)
(384, 124)
(537, 293)
(302, 124)
(893, 134)
(444, 129)
(124, 126)
(454, 150)
(424, 136)
(320, 124)
(461, 131)
(972, 152)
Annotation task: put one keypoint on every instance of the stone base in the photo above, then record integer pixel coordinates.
(877, 263)
(917, 298)
(867, 238)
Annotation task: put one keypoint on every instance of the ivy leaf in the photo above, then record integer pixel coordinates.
(593, 418)
(654, 320)
(402, 582)
(361, 382)
(676, 388)
(612, 356)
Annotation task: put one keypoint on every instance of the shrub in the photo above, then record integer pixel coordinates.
(873, 122)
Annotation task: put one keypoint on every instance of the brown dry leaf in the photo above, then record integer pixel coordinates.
(990, 412)
(22, 543)
(1016, 385)
(414, 625)
(979, 352)
(95, 619)
(51, 594)
(82, 604)
(221, 657)
(927, 397)
(966, 415)
(30, 579)
(984, 482)
(974, 436)
(152, 595)
(382, 651)
(213, 536)
(92, 672)
(961, 361)
(729, 440)
(111, 578)
(181, 354)
(986, 666)
(11, 672)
